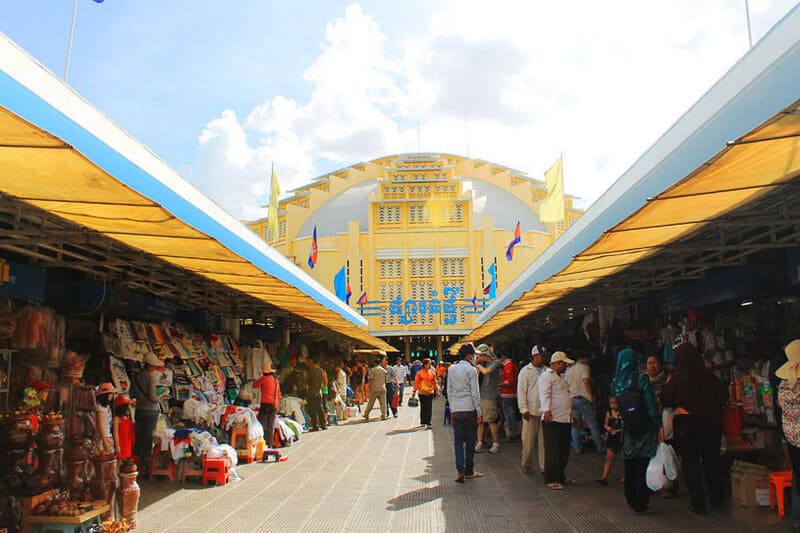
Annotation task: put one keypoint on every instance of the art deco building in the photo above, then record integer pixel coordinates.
(419, 234)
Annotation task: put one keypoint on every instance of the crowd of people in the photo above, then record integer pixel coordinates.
(556, 401)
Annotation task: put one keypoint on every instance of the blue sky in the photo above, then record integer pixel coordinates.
(220, 91)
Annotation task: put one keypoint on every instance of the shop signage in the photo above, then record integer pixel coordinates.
(445, 306)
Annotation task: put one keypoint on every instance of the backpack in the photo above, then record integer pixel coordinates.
(635, 418)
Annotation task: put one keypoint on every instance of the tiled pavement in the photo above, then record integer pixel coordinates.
(393, 476)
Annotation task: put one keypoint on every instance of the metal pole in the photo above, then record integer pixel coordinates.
(749, 32)
(71, 33)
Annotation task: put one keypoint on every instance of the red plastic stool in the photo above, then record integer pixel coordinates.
(215, 470)
(272, 454)
(778, 482)
(161, 463)
(245, 448)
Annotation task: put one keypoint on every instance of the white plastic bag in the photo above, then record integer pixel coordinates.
(656, 479)
(672, 465)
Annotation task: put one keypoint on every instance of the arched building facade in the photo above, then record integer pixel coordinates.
(420, 240)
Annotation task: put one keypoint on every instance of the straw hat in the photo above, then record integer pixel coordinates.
(105, 388)
(791, 369)
(485, 349)
(561, 356)
(266, 368)
(123, 399)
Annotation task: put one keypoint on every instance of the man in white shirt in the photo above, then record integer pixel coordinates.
(400, 372)
(465, 403)
(556, 408)
(529, 406)
(579, 381)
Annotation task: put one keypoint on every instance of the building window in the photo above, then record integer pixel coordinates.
(459, 285)
(450, 214)
(390, 268)
(389, 215)
(422, 291)
(446, 190)
(419, 214)
(388, 292)
(453, 267)
(419, 191)
(421, 268)
(394, 192)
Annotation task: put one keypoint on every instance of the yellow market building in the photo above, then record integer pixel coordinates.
(419, 240)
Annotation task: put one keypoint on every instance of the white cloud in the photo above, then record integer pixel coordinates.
(511, 82)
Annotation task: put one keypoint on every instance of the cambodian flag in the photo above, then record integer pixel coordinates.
(362, 300)
(515, 241)
(487, 289)
(348, 293)
(312, 256)
(474, 301)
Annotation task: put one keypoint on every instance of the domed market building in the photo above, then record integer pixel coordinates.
(417, 243)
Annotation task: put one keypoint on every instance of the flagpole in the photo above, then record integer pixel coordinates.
(71, 34)
(749, 32)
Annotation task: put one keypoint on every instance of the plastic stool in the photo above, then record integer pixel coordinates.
(778, 482)
(273, 454)
(215, 470)
(167, 467)
(245, 448)
(191, 467)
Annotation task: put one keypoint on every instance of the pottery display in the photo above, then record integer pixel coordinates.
(128, 497)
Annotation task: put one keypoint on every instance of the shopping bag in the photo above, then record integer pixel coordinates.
(395, 401)
(413, 402)
(672, 465)
(656, 479)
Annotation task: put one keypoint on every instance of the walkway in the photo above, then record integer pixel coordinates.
(392, 476)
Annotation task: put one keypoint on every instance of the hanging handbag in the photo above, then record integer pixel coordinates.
(413, 402)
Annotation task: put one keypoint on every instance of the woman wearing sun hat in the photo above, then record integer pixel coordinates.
(104, 395)
(789, 401)
(270, 400)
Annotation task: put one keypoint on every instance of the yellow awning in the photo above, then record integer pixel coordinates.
(741, 173)
(59, 154)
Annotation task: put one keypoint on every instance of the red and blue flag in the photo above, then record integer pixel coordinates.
(349, 293)
(474, 301)
(515, 241)
(362, 300)
(312, 256)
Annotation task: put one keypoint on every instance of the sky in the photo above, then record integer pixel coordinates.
(223, 91)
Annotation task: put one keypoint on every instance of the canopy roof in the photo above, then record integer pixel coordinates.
(719, 185)
(61, 155)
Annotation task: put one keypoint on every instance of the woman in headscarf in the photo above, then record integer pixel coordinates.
(640, 446)
(697, 397)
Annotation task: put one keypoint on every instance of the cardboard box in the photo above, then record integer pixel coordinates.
(750, 490)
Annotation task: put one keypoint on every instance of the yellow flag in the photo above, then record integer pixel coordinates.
(551, 209)
(272, 220)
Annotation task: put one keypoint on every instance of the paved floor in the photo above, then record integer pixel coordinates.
(393, 476)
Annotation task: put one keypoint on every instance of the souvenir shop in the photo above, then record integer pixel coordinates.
(65, 400)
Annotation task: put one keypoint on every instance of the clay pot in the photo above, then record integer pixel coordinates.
(49, 473)
(78, 450)
(128, 497)
(51, 433)
(18, 432)
(17, 469)
(77, 475)
(105, 477)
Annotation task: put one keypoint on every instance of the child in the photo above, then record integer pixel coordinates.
(102, 409)
(613, 425)
(124, 436)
